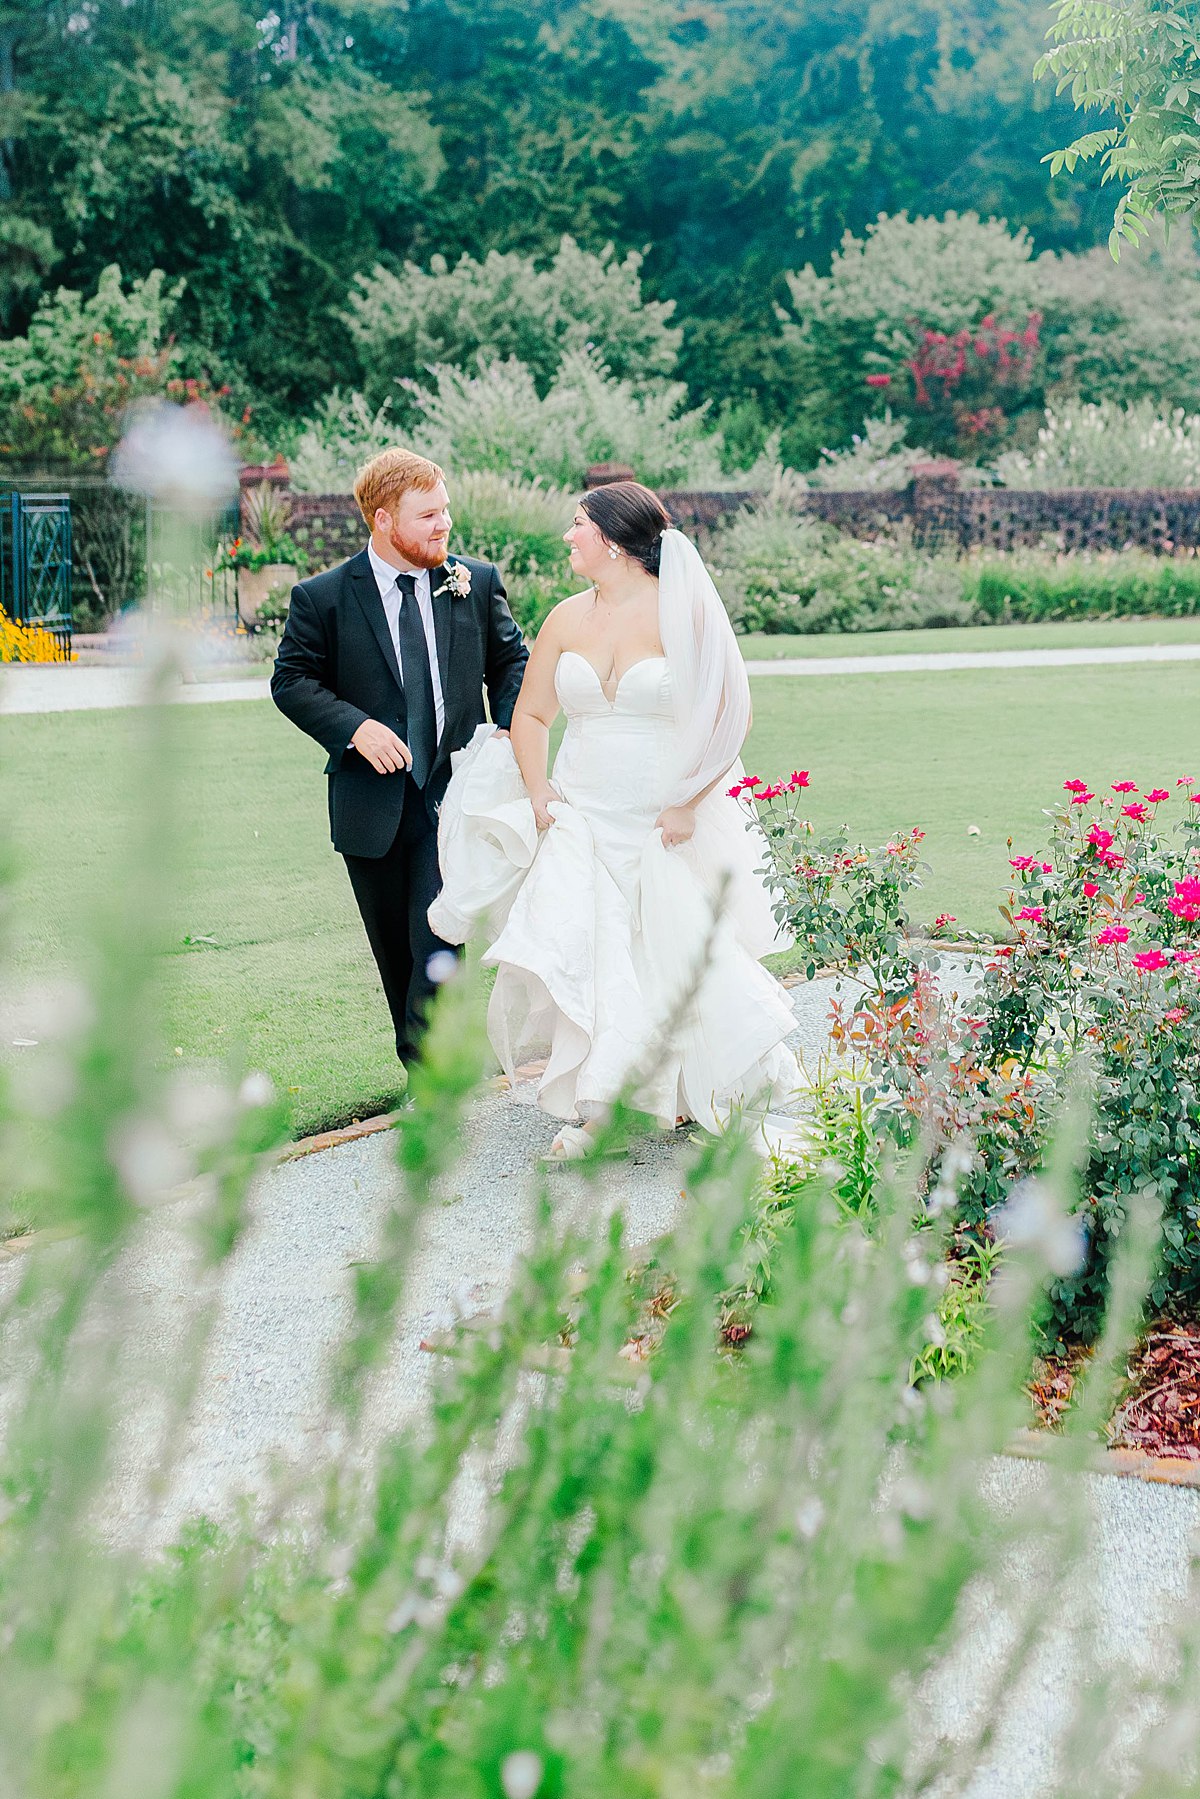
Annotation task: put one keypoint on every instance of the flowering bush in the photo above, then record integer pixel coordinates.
(1098, 983)
(28, 643)
(968, 382)
(66, 386)
(1105, 445)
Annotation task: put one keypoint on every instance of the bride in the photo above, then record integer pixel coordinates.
(621, 891)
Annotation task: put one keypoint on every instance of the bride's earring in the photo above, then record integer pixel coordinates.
(613, 552)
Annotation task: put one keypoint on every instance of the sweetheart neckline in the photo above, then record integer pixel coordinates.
(579, 655)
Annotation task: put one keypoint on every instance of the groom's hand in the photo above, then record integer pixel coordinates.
(387, 753)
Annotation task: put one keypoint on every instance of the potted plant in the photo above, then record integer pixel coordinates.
(265, 557)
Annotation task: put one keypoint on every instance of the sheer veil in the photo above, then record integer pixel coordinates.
(710, 691)
(711, 699)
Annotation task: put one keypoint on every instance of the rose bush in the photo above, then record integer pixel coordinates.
(1097, 987)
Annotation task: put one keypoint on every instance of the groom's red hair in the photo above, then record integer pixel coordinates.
(381, 481)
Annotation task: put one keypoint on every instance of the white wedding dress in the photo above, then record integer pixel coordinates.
(632, 968)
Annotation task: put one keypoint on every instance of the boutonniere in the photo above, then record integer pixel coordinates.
(457, 582)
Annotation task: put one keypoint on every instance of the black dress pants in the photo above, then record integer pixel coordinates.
(394, 893)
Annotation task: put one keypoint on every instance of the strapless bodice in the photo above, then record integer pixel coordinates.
(644, 690)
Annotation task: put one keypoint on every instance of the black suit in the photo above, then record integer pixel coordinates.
(336, 668)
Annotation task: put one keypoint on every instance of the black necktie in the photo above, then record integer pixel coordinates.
(418, 683)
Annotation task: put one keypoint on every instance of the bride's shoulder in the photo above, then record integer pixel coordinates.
(561, 619)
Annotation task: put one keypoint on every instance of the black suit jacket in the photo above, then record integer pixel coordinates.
(337, 666)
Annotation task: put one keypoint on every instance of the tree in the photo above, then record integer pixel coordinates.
(1140, 60)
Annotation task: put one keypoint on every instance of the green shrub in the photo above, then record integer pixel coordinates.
(331, 445)
(519, 526)
(781, 572)
(495, 419)
(1027, 586)
(66, 386)
(1122, 333)
(510, 305)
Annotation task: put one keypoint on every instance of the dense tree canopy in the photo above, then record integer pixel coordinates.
(270, 157)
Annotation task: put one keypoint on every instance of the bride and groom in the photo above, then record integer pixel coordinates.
(619, 892)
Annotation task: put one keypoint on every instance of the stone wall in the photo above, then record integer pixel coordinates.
(940, 514)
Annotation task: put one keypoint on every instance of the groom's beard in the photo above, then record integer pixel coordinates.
(419, 555)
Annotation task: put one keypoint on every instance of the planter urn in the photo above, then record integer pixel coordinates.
(254, 585)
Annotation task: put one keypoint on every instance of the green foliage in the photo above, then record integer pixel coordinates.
(781, 572)
(878, 458)
(867, 316)
(1034, 585)
(958, 1329)
(495, 420)
(1101, 332)
(66, 386)
(1141, 61)
(509, 306)
(611, 1580)
(335, 440)
(272, 157)
(1105, 445)
(519, 526)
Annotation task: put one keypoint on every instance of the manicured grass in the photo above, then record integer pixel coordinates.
(288, 975)
(1083, 634)
(948, 750)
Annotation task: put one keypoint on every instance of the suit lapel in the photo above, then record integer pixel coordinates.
(443, 626)
(366, 592)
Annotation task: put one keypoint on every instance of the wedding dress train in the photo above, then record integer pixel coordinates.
(631, 967)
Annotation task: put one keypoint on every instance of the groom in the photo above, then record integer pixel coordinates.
(384, 661)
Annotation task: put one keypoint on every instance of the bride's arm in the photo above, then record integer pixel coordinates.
(535, 711)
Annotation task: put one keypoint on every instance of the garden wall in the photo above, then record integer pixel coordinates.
(940, 514)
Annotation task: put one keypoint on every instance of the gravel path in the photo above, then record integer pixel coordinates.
(68, 688)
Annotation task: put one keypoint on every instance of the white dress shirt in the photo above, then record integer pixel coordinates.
(389, 593)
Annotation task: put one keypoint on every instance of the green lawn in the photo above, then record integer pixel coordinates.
(948, 750)
(1084, 633)
(288, 974)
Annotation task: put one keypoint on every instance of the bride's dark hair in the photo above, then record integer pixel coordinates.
(631, 517)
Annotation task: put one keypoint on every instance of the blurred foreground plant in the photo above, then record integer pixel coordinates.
(576, 1575)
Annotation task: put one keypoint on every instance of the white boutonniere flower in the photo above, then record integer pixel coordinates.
(458, 581)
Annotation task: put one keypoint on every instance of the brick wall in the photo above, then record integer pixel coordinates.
(940, 514)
